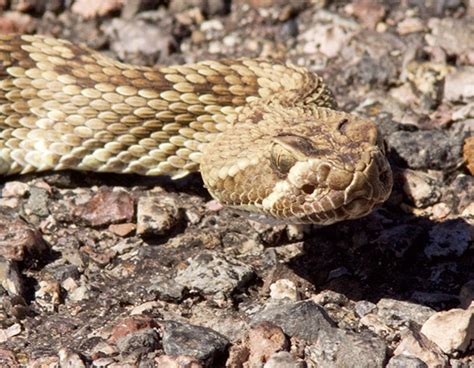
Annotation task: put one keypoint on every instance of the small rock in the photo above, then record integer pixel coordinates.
(16, 22)
(283, 359)
(304, 319)
(7, 333)
(68, 358)
(165, 288)
(410, 25)
(394, 312)
(466, 295)
(421, 188)
(19, 241)
(15, 189)
(199, 342)
(418, 345)
(107, 207)
(406, 361)
(37, 203)
(459, 85)
(130, 325)
(330, 297)
(122, 230)
(213, 274)
(451, 237)
(468, 154)
(139, 342)
(344, 349)
(10, 277)
(451, 330)
(364, 307)
(263, 340)
(284, 288)
(157, 214)
(92, 9)
(455, 36)
(168, 361)
(369, 12)
(139, 40)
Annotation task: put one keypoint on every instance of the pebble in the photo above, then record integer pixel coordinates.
(418, 345)
(213, 274)
(165, 288)
(10, 277)
(19, 240)
(199, 342)
(168, 361)
(449, 238)
(304, 319)
(406, 361)
(284, 359)
(15, 189)
(284, 288)
(263, 340)
(421, 188)
(451, 330)
(106, 207)
(394, 312)
(459, 85)
(157, 214)
(142, 341)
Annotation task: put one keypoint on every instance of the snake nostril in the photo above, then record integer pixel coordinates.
(308, 188)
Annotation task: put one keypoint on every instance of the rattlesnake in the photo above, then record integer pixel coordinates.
(266, 136)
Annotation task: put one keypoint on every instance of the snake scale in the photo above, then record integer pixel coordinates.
(266, 136)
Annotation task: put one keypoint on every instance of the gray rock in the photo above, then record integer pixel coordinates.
(455, 36)
(421, 188)
(304, 319)
(165, 288)
(196, 341)
(364, 307)
(139, 40)
(406, 361)
(396, 312)
(139, 342)
(343, 349)
(37, 203)
(213, 274)
(283, 359)
(428, 149)
(449, 238)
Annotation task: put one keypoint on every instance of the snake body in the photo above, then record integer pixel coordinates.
(266, 136)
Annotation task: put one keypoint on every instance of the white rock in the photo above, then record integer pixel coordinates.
(451, 330)
(284, 288)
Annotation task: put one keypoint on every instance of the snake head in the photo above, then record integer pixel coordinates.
(319, 167)
(333, 177)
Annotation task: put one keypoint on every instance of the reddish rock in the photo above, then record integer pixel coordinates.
(15, 22)
(122, 230)
(263, 340)
(369, 12)
(129, 325)
(107, 207)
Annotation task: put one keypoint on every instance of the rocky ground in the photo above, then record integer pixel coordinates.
(126, 271)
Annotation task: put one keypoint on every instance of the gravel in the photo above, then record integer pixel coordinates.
(120, 270)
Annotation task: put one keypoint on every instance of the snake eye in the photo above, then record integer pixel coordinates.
(282, 159)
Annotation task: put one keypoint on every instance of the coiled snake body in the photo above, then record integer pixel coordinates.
(265, 136)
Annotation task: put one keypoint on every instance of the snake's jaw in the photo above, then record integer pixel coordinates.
(322, 192)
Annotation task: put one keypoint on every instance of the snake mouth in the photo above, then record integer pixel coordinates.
(345, 194)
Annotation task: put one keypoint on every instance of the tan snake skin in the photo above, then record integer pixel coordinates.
(264, 135)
